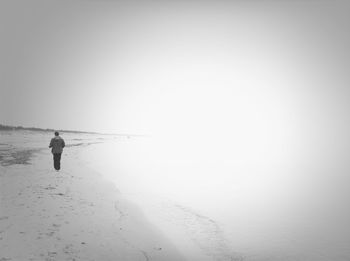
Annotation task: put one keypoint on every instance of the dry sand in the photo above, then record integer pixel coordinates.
(73, 214)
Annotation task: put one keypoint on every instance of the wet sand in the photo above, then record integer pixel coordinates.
(73, 214)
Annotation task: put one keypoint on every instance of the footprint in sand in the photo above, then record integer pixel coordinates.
(50, 233)
(53, 229)
(70, 251)
(51, 254)
(49, 187)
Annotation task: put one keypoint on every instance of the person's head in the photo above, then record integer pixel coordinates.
(56, 133)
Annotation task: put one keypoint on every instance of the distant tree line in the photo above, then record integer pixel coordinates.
(7, 127)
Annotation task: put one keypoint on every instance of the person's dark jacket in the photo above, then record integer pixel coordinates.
(57, 144)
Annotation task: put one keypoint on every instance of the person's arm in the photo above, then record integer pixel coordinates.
(63, 143)
(50, 146)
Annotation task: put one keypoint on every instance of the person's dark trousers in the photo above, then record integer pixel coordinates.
(57, 161)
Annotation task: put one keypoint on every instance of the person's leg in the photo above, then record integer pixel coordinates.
(56, 161)
(59, 160)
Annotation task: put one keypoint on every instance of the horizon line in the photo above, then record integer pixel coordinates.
(11, 127)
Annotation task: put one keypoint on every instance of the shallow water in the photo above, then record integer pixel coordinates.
(259, 211)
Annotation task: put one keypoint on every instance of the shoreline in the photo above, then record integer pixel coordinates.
(196, 235)
(74, 214)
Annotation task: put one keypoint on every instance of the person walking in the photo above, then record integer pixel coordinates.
(57, 144)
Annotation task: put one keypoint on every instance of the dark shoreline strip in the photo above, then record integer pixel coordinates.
(19, 157)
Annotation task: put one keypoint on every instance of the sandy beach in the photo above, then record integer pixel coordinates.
(124, 198)
(78, 213)
(74, 214)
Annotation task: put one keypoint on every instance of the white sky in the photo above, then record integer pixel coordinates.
(176, 67)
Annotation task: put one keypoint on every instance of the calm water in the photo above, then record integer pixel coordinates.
(274, 211)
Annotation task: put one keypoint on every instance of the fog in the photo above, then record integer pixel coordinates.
(243, 106)
(273, 209)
